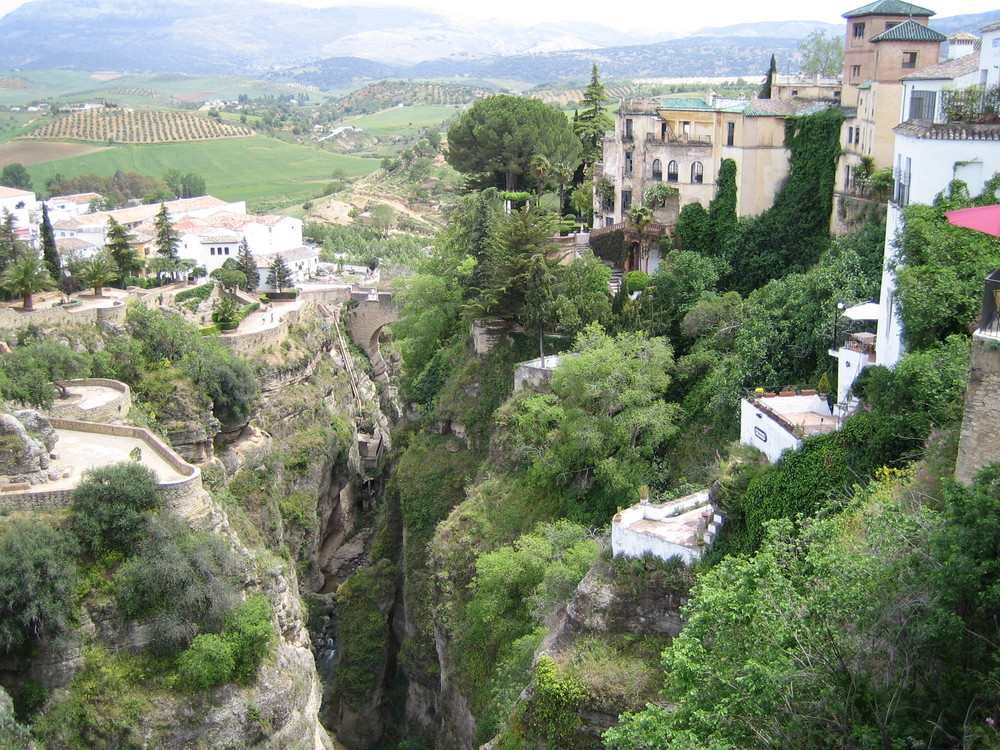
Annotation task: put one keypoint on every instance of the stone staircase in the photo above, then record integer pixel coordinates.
(615, 283)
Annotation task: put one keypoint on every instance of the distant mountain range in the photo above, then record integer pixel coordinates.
(335, 46)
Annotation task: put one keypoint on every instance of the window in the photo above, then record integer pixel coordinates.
(672, 172)
(628, 164)
(795, 92)
(227, 250)
(859, 30)
(626, 201)
(909, 59)
(850, 134)
(628, 128)
(731, 133)
(697, 172)
(922, 105)
(891, 25)
(657, 170)
(211, 251)
(855, 71)
(857, 135)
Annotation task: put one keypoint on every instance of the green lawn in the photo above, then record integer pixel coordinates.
(233, 168)
(403, 120)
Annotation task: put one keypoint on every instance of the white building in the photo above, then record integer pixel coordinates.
(929, 153)
(18, 203)
(301, 261)
(775, 423)
(682, 528)
(67, 206)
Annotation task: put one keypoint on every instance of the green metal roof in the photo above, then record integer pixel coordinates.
(684, 103)
(909, 31)
(888, 8)
(866, 85)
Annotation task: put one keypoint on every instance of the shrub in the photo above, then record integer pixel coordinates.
(112, 506)
(249, 632)
(209, 662)
(37, 580)
(183, 582)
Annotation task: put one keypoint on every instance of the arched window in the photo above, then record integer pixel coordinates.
(672, 172)
(697, 172)
(657, 170)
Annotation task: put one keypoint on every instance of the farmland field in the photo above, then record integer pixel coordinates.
(233, 168)
(403, 120)
(29, 152)
(137, 126)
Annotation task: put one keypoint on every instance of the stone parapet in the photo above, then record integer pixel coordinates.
(177, 492)
(113, 411)
(980, 441)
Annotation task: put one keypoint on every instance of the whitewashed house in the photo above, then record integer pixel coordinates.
(19, 204)
(301, 261)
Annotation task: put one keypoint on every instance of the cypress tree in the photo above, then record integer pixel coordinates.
(247, 264)
(49, 251)
(772, 71)
(166, 236)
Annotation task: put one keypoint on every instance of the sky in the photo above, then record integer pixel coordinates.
(649, 16)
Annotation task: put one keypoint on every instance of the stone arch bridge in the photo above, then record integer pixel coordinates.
(373, 311)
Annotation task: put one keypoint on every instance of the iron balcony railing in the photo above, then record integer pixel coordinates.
(690, 140)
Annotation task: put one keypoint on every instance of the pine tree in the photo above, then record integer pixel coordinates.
(248, 265)
(279, 276)
(772, 71)
(167, 237)
(49, 251)
(119, 246)
(591, 124)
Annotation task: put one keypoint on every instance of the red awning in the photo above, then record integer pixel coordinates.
(984, 219)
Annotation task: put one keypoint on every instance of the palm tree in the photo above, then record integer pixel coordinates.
(640, 217)
(562, 173)
(539, 168)
(99, 271)
(26, 275)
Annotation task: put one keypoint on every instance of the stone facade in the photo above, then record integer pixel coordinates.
(980, 441)
(374, 310)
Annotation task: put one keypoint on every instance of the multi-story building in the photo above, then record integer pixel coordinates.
(885, 41)
(680, 143)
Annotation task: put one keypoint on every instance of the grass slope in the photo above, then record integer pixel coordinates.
(403, 120)
(233, 169)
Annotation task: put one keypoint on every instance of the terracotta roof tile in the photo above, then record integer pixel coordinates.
(947, 70)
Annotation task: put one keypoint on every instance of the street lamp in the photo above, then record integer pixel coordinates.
(840, 312)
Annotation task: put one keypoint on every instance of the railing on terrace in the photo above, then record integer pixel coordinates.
(690, 140)
(652, 228)
(598, 231)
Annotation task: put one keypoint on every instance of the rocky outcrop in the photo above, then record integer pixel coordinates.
(20, 453)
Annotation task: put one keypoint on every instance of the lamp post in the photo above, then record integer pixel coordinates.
(840, 312)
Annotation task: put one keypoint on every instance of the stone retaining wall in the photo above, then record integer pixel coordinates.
(177, 493)
(978, 445)
(113, 411)
(11, 319)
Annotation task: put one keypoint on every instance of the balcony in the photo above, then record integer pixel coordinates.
(685, 140)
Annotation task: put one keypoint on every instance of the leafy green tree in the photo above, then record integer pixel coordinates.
(248, 265)
(25, 276)
(33, 369)
(582, 294)
(593, 122)
(384, 218)
(227, 380)
(821, 54)
(167, 237)
(592, 440)
(37, 583)
(112, 505)
(226, 310)
(494, 140)
(230, 278)
(49, 251)
(15, 175)
(99, 271)
(279, 276)
(162, 337)
(119, 246)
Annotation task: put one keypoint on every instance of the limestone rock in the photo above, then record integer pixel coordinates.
(20, 453)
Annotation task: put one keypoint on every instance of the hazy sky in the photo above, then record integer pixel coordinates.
(648, 15)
